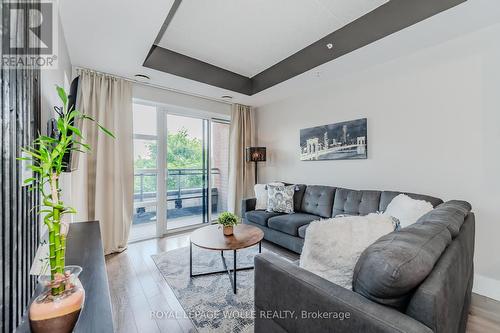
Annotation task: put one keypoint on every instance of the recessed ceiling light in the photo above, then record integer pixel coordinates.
(227, 97)
(329, 46)
(142, 77)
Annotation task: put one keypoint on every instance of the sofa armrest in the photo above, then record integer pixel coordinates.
(291, 299)
(247, 205)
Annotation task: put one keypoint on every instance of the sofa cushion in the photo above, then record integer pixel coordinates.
(298, 195)
(290, 224)
(352, 202)
(390, 269)
(260, 216)
(387, 196)
(302, 231)
(318, 200)
(451, 213)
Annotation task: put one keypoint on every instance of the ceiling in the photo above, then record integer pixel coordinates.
(115, 36)
(247, 37)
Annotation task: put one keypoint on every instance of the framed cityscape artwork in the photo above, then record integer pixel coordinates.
(340, 141)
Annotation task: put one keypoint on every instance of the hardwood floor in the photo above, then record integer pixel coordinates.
(137, 289)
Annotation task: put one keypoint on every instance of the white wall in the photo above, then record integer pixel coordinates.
(49, 78)
(433, 128)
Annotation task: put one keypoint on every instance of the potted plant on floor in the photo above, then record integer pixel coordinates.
(57, 308)
(227, 220)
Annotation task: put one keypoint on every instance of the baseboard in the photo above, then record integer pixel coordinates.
(486, 286)
(485, 308)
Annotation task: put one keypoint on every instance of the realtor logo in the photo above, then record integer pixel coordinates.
(29, 34)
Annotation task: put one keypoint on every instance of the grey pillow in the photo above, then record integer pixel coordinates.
(280, 198)
(389, 270)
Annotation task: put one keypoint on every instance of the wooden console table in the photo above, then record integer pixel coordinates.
(85, 249)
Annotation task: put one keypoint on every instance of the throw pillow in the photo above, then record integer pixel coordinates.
(407, 210)
(261, 196)
(280, 198)
(332, 247)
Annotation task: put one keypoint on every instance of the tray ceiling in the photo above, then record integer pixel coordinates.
(249, 46)
(247, 37)
(118, 37)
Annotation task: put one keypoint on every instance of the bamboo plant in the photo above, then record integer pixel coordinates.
(46, 155)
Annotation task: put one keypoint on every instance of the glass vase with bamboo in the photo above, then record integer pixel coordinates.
(47, 163)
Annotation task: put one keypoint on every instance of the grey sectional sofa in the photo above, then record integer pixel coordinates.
(314, 202)
(418, 279)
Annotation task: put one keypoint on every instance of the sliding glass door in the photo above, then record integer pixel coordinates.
(181, 166)
(145, 216)
(187, 171)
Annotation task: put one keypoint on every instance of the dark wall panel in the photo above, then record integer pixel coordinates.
(20, 123)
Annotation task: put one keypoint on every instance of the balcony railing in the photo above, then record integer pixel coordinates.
(185, 193)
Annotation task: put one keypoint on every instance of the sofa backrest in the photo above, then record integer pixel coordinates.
(353, 202)
(356, 202)
(330, 201)
(318, 200)
(387, 196)
(300, 189)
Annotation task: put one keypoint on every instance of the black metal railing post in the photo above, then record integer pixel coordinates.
(178, 201)
(142, 187)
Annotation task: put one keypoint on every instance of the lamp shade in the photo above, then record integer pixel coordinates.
(256, 154)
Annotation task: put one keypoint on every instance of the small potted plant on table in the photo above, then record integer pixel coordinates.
(227, 220)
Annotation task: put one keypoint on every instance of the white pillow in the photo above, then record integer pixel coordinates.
(407, 210)
(261, 195)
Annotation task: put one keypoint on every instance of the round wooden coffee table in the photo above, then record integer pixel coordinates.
(212, 238)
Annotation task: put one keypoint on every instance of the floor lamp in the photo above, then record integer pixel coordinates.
(256, 154)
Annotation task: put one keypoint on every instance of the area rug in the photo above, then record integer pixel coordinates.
(209, 300)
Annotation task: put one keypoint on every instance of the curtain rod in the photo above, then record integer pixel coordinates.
(156, 86)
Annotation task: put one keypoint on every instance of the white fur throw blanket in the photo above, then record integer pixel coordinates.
(332, 247)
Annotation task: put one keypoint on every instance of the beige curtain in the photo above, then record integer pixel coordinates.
(102, 184)
(241, 173)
